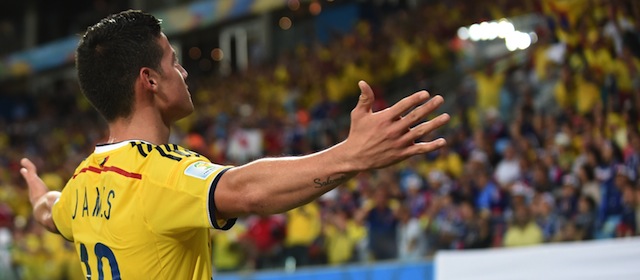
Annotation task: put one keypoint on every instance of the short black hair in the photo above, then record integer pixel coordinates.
(589, 172)
(109, 57)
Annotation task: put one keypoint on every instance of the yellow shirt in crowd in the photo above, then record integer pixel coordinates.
(531, 234)
(303, 225)
(341, 243)
(488, 90)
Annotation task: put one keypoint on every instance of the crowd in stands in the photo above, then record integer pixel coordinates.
(545, 150)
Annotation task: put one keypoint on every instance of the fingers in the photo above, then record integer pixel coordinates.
(28, 169)
(29, 172)
(427, 127)
(420, 112)
(407, 103)
(426, 147)
(365, 102)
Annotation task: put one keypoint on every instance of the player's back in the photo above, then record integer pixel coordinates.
(132, 214)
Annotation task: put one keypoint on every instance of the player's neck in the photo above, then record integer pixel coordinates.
(147, 127)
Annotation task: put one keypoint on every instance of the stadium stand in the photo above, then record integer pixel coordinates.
(544, 142)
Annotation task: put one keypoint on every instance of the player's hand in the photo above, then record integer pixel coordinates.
(379, 139)
(37, 188)
(41, 198)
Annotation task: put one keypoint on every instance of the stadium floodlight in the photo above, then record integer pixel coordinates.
(501, 29)
(484, 31)
(534, 37)
(505, 28)
(463, 33)
(517, 40)
(511, 41)
(492, 30)
(475, 32)
(524, 40)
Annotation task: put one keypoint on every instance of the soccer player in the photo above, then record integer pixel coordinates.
(141, 208)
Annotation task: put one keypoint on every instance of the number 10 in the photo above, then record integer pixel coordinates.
(101, 251)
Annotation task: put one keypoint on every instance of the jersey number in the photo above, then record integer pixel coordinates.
(101, 251)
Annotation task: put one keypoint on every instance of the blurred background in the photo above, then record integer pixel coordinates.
(544, 142)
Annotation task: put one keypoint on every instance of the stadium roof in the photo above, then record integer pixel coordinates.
(175, 20)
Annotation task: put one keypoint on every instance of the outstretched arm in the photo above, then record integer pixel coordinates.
(39, 195)
(376, 140)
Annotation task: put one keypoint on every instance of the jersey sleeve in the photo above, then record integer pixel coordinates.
(62, 213)
(186, 200)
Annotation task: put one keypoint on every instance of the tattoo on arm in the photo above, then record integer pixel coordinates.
(329, 181)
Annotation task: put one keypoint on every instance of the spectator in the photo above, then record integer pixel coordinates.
(449, 162)
(382, 226)
(445, 219)
(341, 237)
(489, 195)
(631, 152)
(474, 231)
(585, 219)
(303, 229)
(544, 212)
(265, 235)
(568, 232)
(590, 187)
(522, 231)
(488, 83)
(508, 169)
(568, 197)
(229, 248)
(411, 237)
(439, 183)
(627, 226)
(540, 180)
(416, 197)
(617, 23)
(550, 162)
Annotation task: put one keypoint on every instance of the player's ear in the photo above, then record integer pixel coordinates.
(149, 78)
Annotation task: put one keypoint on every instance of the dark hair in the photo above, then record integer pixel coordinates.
(110, 55)
(597, 154)
(588, 171)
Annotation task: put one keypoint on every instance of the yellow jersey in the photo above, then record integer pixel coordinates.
(136, 210)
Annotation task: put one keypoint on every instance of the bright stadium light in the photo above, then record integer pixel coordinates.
(505, 28)
(484, 31)
(511, 42)
(524, 40)
(475, 32)
(493, 30)
(517, 40)
(534, 37)
(463, 33)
